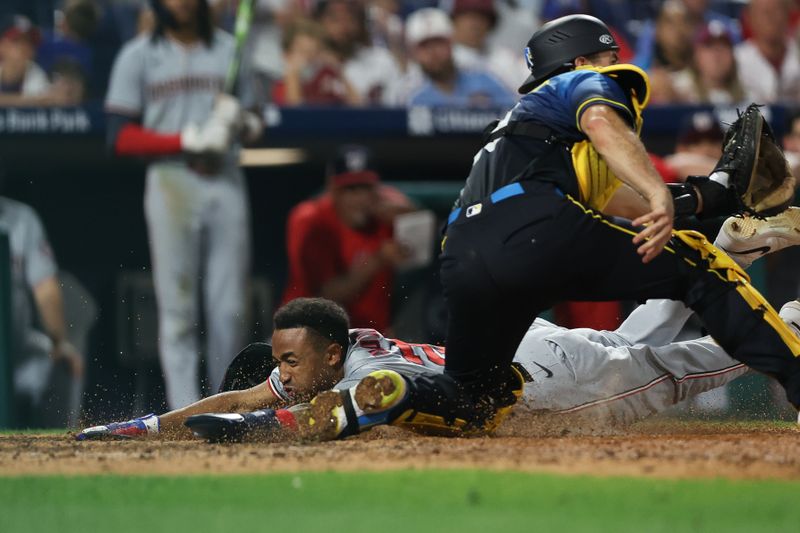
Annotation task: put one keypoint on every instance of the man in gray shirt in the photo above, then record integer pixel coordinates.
(40, 358)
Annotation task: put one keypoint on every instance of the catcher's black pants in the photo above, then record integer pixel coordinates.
(510, 259)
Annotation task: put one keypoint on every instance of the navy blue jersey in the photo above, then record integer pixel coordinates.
(558, 103)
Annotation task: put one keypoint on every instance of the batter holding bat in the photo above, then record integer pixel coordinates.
(170, 100)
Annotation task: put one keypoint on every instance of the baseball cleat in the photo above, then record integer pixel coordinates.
(335, 414)
(790, 313)
(232, 427)
(748, 238)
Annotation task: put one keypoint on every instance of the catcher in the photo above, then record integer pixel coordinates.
(531, 227)
(612, 377)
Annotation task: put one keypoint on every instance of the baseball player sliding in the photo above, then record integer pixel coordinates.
(165, 103)
(614, 377)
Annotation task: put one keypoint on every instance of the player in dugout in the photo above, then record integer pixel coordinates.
(611, 377)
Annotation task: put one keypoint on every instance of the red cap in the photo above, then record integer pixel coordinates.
(365, 177)
(712, 31)
(21, 27)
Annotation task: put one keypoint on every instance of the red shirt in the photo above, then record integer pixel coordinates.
(321, 247)
(324, 87)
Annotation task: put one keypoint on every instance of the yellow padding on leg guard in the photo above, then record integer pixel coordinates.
(725, 267)
(430, 424)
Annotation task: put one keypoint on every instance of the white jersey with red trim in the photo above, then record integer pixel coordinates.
(621, 375)
(370, 351)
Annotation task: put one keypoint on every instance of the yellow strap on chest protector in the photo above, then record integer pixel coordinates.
(727, 269)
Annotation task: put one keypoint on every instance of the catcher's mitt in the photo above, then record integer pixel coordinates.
(761, 181)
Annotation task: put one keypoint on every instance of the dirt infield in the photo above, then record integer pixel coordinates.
(664, 449)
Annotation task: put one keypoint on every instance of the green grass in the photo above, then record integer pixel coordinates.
(394, 501)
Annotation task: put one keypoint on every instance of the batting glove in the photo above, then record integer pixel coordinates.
(250, 127)
(227, 110)
(213, 137)
(138, 427)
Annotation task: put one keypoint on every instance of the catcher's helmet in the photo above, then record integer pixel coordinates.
(554, 46)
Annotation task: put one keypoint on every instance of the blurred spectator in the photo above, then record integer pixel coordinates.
(769, 62)
(791, 142)
(69, 83)
(44, 362)
(386, 27)
(671, 49)
(794, 19)
(340, 244)
(696, 14)
(19, 75)
(75, 27)
(700, 14)
(615, 13)
(312, 74)
(671, 45)
(473, 22)
(369, 69)
(429, 37)
(264, 54)
(516, 21)
(699, 146)
(712, 77)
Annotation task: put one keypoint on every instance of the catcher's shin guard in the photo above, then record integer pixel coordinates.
(726, 268)
(435, 405)
(441, 406)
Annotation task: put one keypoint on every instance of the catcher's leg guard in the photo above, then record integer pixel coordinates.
(438, 405)
(727, 270)
(433, 405)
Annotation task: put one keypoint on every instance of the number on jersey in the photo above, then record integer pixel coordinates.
(414, 353)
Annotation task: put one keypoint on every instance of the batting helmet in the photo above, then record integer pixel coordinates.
(553, 47)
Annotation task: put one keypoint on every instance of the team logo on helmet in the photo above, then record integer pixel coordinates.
(356, 160)
(606, 39)
(528, 57)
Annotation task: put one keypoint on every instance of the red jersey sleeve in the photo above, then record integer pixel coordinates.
(134, 140)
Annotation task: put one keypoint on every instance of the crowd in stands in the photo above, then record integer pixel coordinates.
(461, 53)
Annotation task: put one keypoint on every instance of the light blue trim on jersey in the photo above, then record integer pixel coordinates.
(506, 192)
(453, 215)
(503, 193)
